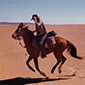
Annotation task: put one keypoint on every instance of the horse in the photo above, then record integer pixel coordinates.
(34, 53)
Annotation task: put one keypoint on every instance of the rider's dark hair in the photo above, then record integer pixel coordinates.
(35, 15)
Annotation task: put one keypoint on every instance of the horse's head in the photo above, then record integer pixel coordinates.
(19, 33)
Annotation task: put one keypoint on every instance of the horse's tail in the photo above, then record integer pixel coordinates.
(72, 50)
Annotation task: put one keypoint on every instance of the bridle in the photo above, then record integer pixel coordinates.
(21, 44)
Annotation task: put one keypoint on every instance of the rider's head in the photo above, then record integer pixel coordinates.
(35, 16)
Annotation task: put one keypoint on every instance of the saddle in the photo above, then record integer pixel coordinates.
(49, 41)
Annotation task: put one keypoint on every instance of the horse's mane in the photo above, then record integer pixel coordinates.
(28, 32)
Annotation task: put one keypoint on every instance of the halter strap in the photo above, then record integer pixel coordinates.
(21, 44)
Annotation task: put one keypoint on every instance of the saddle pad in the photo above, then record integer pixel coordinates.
(49, 42)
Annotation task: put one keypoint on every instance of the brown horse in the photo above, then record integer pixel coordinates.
(58, 49)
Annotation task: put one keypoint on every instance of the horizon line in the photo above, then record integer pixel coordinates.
(33, 23)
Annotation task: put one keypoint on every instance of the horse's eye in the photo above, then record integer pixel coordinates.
(20, 30)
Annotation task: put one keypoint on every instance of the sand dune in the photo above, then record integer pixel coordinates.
(13, 69)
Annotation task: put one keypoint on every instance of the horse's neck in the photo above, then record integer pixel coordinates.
(27, 39)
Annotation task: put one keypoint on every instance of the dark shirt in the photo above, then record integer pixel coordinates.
(40, 28)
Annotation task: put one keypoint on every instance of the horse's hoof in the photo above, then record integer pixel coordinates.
(33, 70)
(60, 71)
(42, 73)
(52, 71)
(47, 77)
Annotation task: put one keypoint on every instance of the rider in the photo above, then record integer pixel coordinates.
(41, 33)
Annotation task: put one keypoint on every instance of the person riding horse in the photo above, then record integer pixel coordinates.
(41, 33)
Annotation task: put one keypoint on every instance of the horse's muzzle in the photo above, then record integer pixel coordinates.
(14, 36)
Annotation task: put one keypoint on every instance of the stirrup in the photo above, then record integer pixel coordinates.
(43, 56)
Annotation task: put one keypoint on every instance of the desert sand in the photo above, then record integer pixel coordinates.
(13, 69)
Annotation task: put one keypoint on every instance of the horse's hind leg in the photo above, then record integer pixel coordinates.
(63, 61)
(58, 61)
(27, 63)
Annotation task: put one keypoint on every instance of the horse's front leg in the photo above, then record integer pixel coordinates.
(27, 63)
(37, 67)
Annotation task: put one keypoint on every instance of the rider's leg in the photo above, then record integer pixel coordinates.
(42, 46)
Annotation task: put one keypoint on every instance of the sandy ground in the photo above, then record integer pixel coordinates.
(13, 69)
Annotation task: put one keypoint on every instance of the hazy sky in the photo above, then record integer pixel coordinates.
(51, 11)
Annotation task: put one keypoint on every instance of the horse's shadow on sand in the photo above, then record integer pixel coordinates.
(23, 81)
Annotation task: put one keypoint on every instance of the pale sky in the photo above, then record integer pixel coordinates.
(51, 11)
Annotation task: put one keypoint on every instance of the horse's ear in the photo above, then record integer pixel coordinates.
(21, 25)
(27, 26)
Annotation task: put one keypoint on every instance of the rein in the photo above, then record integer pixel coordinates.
(21, 44)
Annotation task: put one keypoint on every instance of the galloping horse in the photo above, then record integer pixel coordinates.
(58, 49)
